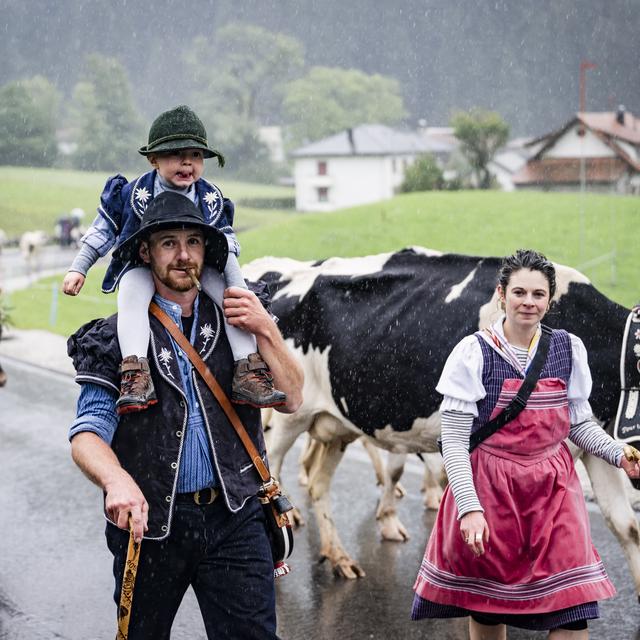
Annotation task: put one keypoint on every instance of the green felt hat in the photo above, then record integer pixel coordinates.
(179, 128)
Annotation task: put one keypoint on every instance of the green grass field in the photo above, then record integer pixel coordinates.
(35, 198)
(577, 231)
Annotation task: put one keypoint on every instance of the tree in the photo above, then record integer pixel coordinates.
(28, 110)
(108, 126)
(328, 100)
(481, 134)
(240, 84)
(423, 175)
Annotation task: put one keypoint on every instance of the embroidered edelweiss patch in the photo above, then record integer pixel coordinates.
(637, 334)
(207, 332)
(142, 195)
(165, 358)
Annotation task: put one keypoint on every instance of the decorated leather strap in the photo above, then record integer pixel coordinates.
(270, 487)
(128, 582)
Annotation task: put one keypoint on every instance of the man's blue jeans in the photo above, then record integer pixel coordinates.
(225, 557)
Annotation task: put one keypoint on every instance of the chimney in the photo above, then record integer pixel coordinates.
(620, 114)
(352, 143)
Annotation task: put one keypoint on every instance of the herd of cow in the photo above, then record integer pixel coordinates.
(373, 334)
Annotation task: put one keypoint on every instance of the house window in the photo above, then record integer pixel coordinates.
(322, 168)
(323, 194)
(394, 167)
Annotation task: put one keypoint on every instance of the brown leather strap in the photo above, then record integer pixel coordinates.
(216, 389)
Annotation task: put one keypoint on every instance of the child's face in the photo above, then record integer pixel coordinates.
(179, 168)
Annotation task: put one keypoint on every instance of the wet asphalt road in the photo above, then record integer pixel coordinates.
(55, 570)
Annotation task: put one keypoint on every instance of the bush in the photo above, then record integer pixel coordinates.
(423, 175)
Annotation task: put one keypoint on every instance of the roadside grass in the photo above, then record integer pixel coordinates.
(570, 229)
(32, 198)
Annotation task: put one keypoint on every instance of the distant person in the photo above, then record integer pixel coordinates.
(511, 544)
(176, 149)
(3, 377)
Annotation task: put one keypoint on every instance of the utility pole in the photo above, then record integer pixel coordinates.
(584, 67)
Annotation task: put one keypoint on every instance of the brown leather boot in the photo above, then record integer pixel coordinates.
(253, 384)
(136, 387)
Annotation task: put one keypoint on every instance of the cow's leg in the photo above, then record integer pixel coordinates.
(309, 452)
(387, 516)
(610, 493)
(327, 455)
(433, 480)
(283, 430)
(379, 467)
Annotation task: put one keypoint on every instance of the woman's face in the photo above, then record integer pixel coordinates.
(526, 298)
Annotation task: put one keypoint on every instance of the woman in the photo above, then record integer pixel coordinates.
(512, 544)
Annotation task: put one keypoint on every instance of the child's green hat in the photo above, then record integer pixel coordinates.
(179, 128)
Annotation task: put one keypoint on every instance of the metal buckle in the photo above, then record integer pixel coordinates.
(213, 494)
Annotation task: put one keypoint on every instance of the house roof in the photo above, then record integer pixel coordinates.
(603, 123)
(567, 171)
(366, 140)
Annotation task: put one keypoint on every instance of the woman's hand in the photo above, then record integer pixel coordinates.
(631, 461)
(474, 531)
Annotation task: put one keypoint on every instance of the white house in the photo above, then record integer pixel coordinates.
(598, 150)
(357, 166)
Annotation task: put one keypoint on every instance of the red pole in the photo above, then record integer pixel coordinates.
(584, 65)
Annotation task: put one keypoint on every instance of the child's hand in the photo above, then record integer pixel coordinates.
(72, 283)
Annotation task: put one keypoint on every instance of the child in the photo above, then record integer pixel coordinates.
(176, 149)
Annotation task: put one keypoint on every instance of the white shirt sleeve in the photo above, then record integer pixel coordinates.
(461, 379)
(580, 383)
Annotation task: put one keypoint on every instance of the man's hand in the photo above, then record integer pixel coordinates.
(123, 498)
(72, 283)
(243, 310)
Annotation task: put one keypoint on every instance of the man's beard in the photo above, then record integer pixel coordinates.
(179, 281)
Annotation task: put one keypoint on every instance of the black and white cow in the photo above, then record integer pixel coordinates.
(373, 334)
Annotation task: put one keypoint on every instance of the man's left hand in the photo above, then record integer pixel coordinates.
(243, 310)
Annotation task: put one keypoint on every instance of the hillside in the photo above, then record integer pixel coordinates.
(582, 233)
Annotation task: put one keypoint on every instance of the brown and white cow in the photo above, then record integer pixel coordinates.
(373, 334)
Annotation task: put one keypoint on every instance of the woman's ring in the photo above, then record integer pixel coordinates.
(478, 537)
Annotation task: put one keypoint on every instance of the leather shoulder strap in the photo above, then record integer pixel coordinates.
(216, 389)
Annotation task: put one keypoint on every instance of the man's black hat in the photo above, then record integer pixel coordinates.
(179, 128)
(171, 210)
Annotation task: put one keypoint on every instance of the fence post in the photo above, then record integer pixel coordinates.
(53, 311)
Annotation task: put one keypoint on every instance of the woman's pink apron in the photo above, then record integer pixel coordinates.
(539, 557)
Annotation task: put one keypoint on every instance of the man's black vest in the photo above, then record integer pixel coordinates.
(148, 444)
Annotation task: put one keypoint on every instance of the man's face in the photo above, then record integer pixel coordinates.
(180, 168)
(171, 254)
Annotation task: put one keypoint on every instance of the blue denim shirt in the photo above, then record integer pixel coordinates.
(96, 412)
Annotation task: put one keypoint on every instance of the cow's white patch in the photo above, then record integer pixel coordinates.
(343, 402)
(564, 277)
(426, 252)
(457, 289)
(422, 437)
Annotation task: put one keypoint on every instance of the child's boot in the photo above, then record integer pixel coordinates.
(253, 384)
(136, 387)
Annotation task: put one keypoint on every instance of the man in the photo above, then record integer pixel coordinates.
(178, 470)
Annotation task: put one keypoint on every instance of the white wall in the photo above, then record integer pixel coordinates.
(351, 180)
(571, 145)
